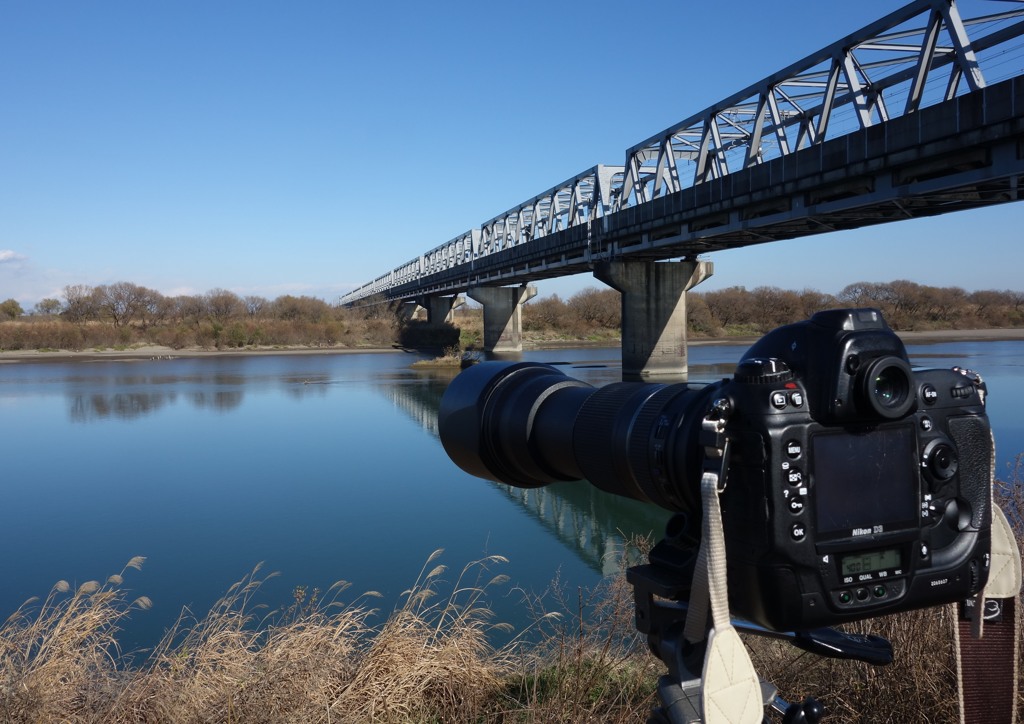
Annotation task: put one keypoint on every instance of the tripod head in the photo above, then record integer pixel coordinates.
(661, 591)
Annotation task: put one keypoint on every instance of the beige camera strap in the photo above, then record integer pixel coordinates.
(730, 688)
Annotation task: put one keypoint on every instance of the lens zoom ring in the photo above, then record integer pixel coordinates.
(641, 451)
(600, 438)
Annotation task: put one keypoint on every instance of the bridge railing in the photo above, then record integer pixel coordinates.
(916, 56)
(584, 197)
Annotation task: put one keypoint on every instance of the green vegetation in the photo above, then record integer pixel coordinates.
(321, 659)
(10, 309)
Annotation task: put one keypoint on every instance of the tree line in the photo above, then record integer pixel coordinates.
(124, 314)
(906, 306)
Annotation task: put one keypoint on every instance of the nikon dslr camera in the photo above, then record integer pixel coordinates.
(854, 485)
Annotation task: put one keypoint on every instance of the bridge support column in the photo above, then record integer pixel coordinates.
(653, 313)
(407, 310)
(503, 315)
(440, 309)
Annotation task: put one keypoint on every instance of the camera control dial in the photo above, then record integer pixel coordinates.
(761, 370)
(940, 459)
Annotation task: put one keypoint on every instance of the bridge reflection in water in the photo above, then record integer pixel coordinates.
(592, 524)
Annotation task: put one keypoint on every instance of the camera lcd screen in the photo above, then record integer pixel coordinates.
(870, 562)
(866, 483)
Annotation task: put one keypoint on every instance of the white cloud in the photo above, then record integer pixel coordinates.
(7, 256)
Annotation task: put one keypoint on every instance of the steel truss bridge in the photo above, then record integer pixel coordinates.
(917, 114)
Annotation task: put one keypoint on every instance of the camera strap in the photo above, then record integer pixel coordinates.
(730, 688)
(988, 633)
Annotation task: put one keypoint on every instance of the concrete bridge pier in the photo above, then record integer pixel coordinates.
(440, 309)
(503, 315)
(407, 310)
(653, 313)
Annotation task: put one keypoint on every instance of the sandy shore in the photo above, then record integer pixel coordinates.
(158, 352)
(149, 352)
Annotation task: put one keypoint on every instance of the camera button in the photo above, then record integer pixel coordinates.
(926, 424)
(798, 531)
(796, 398)
(929, 394)
(878, 591)
(794, 449)
(862, 594)
(845, 597)
(779, 401)
(796, 505)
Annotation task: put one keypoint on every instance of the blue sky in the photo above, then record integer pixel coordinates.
(306, 147)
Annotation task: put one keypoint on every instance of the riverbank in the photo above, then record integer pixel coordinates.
(156, 352)
(152, 352)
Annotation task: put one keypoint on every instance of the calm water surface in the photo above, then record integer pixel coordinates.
(324, 467)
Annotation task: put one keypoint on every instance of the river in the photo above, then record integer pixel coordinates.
(322, 467)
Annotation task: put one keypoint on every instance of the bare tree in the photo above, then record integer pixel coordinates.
(864, 294)
(991, 307)
(80, 306)
(310, 309)
(902, 303)
(120, 301)
(699, 318)
(944, 304)
(772, 306)
(600, 307)
(814, 301)
(222, 305)
(546, 313)
(729, 306)
(154, 308)
(256, 306)
(190, 309)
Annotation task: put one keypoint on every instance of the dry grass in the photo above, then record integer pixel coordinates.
(918, 687)
(587, 663)
(320, 659)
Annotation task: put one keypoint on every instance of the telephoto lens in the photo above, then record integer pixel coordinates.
(528, 424)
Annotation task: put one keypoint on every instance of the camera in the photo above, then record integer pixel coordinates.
(855, 486)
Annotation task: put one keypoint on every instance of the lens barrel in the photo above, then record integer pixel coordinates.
(528, 424)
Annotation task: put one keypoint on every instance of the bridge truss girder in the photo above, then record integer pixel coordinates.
(923, 54)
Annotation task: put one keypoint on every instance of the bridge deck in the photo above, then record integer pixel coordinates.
(964, 153)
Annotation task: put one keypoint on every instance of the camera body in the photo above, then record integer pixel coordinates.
(854, 486)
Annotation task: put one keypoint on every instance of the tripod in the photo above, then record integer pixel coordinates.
(661, 591)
